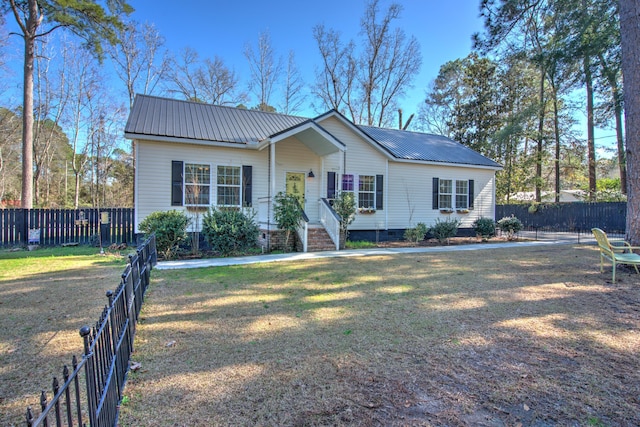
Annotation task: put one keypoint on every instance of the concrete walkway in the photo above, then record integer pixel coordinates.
(297, 256)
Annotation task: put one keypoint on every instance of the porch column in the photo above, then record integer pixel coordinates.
(272, 177)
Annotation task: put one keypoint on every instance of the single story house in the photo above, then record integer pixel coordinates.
(190, 156)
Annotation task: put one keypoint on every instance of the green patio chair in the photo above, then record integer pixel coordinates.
(616, 251)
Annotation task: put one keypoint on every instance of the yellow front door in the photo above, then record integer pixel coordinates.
(295, 186)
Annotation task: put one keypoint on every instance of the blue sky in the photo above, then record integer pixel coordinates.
(223, 28)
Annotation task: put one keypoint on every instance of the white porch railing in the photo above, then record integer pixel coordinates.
(303, 231)
(331, 221)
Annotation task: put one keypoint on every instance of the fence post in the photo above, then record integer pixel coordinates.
(90, 376)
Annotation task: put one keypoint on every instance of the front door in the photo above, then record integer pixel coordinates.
(295, 186)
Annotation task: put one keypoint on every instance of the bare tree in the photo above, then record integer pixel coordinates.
(335, 79)
(138, 60)
(370, 83)
(210, 81)
(390, 62)
(218, 84)
(182, 78)
(293, 97)
(265, 69)
(87, 19)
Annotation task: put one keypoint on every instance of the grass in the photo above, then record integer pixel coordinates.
(46, 296)
(359, 244)
(502, 336)
(531, 336)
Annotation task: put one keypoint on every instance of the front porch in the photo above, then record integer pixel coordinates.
(298, 161)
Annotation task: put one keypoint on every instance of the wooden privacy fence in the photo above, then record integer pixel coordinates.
(90, 394)
(63, 226)
(570, 217)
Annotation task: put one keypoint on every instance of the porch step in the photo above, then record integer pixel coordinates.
(319, 240)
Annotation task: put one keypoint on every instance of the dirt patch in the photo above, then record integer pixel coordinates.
(501, 337)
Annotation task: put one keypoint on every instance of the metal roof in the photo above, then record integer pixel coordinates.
(408, 145)
(171, 118)
(176, 119)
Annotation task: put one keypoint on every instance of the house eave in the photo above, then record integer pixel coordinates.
(241, 145)
(448, 164)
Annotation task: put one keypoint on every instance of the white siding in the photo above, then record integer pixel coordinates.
(362, 158)
(411, 188)
(153, 185)
(294, 156)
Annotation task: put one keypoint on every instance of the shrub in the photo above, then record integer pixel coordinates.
(170, 228)
(230, 231)
(417, 233)
(510, 225)
(345, 205)
(287, 214)
(485, 228)
(444, 230)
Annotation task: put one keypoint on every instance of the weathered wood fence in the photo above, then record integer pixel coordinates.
(91, 393)
(51, 227)
(570, 217)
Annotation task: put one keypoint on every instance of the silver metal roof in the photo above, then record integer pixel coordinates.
(408, 145)
(169, 118)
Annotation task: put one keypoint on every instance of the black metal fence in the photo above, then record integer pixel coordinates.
(568, 217)
(104, 366)
(64, 226)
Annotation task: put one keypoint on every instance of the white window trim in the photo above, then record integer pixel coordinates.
(186, 184)
(465, 194)
(372, 192)
(239, 186)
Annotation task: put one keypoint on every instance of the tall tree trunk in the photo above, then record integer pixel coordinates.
(30, 28)
(591, 147)
(556, 126)
(622, 158)
(539, 145)
(630, 34)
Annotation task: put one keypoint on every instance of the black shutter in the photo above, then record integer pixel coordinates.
(176, 183)
(247, 182)
(331, 185)
(435, 192)
(379, 192)
(471, 194)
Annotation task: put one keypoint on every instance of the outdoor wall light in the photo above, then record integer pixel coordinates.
(311, 175)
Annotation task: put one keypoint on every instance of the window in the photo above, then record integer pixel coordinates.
(462, 194)
(197, 184)
(367, 191)
(444, 194)
(347, 182)
(228, 186)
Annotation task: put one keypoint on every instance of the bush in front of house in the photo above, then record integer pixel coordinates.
(445, 230)
(287, 213)
(170, 228)
(230, 231)
(510, 225)
(485, 228)
(417, 233)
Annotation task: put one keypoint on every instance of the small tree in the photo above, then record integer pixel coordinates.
(345, 206)
(287, 214)
(170, 228)
(510, 225)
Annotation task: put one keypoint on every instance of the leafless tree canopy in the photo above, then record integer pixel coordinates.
(367, 83)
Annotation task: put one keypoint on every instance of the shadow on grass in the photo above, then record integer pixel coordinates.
(533, 336)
